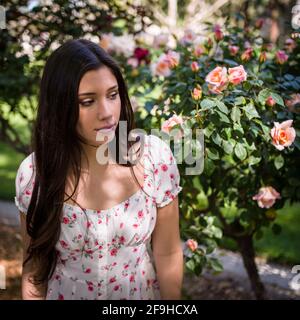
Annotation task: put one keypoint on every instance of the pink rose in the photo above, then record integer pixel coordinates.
(281, 57)
(133, 62)
(194, 66)
(233, 50)
(170, 123)
(247, 54)
(283, 134)
(217, 80)
(270, 102)
(218, 32)
(192, 244)
(266, 197)
(198, 50)
(237, 75)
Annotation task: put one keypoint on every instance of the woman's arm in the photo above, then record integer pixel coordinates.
(28, 289)
(167, 251)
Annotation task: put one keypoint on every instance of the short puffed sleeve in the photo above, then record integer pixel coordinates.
(24, 183)
(165, 171)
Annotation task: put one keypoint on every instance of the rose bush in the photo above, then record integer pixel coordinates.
(242, 92)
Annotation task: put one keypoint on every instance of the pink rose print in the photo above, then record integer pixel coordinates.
(66, 220)
(113, 279)
(140, 214)
(113, 252)
(164, 167)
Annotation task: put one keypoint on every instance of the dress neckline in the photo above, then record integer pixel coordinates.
(72, 206)
(135, 194)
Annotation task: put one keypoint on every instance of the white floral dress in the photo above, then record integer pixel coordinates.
(107, 254)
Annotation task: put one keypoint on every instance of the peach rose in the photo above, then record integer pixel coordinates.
(283, 134)
(161, 67)
(237, 74)
(217, 80)
(197, 93)
(266, 197)
(192, 244)
(170, 123)
(172, 58)
(262, 57)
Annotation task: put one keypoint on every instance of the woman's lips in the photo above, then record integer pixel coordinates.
(106, 129)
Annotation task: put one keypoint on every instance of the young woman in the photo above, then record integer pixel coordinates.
(95, 230)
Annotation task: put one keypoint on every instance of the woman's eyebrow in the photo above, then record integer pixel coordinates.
(93, 93)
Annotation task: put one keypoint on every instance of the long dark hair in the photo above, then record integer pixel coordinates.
(57, 146)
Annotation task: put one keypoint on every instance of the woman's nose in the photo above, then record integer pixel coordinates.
(104, 109)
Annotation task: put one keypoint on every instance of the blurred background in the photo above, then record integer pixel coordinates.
(31, 30)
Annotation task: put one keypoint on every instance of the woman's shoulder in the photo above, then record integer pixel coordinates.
(27, 165)
(24, 182)
(159, 149)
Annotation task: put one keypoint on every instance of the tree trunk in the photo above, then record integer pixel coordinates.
(246, 249)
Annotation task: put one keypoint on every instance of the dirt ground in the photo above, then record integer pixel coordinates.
(194, 288)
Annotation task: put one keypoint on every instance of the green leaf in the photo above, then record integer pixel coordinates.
(190, 265)
(222, 107)
(235, 114)
(239, 100)
(223, 117)
(266, 93)
(263, 96)
(254, 160)
(277, 98)
(207, 104)
(209, 167)
(213, 153)
(216, 138)
(228, 146)
(240, 151)
(251, 111)
(279, 162)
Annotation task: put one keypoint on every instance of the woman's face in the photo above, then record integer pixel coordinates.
(99, 105)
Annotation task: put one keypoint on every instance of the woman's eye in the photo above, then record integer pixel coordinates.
(86, 103)
(114, 95)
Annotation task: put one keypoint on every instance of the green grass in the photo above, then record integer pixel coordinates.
(283, 248)
(9, 163)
